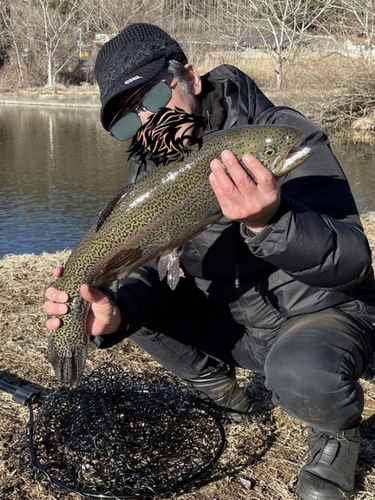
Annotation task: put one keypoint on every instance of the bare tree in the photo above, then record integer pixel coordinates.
(275, 26)
(46, 29)
(41, 36)
(110, 16)
(224, 21)
(358, 19)
(9, 39)
(282, 25)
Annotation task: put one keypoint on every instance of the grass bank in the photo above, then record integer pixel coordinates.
(262, 458)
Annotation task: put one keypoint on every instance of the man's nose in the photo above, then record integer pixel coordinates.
(144, 115)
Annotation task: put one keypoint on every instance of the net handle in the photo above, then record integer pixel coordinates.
(24, 395)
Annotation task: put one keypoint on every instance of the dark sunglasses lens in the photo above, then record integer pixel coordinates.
(158, 97)
(126, 127)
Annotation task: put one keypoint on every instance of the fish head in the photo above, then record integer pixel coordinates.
(275, 147)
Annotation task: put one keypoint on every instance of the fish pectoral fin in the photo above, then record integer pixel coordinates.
(169, 266)
(121, 259)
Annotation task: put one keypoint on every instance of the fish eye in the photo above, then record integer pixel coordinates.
(269, 151)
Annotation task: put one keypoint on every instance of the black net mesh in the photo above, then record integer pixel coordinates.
(125, 435)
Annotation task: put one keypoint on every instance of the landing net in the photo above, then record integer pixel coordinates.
(125, 435)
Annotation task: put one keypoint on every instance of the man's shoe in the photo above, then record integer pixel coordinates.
(330, 472)
(222, 387)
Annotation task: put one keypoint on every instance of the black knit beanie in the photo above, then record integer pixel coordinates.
(132, 58)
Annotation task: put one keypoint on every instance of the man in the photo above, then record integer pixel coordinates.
(282, 285)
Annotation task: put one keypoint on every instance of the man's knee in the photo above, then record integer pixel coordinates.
(297, 375)
(307, 380)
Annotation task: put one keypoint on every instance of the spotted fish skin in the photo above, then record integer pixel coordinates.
(152, 218)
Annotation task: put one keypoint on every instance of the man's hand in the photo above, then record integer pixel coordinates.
(103, 317)
(252, 198)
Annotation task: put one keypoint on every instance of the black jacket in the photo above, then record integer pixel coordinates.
(312, 256)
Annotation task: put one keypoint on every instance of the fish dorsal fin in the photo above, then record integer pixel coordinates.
(111, 205)
(120, 261)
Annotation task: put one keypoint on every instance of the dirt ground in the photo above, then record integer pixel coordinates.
(262, 457)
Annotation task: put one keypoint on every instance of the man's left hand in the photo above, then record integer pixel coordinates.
(251, 197)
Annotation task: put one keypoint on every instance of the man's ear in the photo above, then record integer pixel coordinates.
(194, 79)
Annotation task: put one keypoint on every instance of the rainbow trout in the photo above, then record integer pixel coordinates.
(151, 219)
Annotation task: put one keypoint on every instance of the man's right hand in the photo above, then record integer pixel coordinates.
(103, 318)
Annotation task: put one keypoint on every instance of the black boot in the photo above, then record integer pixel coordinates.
(222, 387)
(330, 472)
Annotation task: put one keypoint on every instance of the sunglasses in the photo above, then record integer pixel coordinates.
(155, 99)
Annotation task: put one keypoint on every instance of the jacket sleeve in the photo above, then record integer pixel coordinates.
(316, 236)
(140, 298)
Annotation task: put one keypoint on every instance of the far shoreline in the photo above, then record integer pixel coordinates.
(88, 97)
(80, 97)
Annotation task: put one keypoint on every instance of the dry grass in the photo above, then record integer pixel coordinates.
(325, 85)
(261, 460)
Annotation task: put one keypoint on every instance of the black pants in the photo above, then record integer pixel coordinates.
(311, 363)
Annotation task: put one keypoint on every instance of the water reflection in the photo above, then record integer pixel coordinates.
(58, 168)
(357, 156)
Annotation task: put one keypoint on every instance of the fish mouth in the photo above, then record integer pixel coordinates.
(296, 157)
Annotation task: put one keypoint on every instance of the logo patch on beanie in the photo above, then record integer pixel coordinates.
(132, 79)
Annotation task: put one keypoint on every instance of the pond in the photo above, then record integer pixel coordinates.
(58, 168)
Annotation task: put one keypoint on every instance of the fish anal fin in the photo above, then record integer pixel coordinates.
(169, 266)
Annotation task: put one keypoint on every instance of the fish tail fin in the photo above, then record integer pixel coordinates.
(67, 361)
